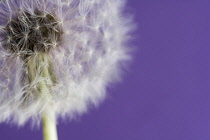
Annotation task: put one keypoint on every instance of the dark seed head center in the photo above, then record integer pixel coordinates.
(27, 33)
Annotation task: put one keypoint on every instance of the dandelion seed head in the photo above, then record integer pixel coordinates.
(81, 44)
(30, 32)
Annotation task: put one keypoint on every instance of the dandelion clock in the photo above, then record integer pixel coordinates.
(57, 57)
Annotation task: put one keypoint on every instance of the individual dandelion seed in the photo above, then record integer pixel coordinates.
(57, 57)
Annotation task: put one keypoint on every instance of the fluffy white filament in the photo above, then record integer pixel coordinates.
(87, 59)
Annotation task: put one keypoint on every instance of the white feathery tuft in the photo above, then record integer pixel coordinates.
(85, 60)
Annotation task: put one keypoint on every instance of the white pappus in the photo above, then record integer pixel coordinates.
(70, 50)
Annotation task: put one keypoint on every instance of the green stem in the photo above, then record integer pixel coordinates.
(49, 127)
(40, 74)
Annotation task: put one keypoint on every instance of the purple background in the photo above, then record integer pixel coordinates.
(166, 93)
